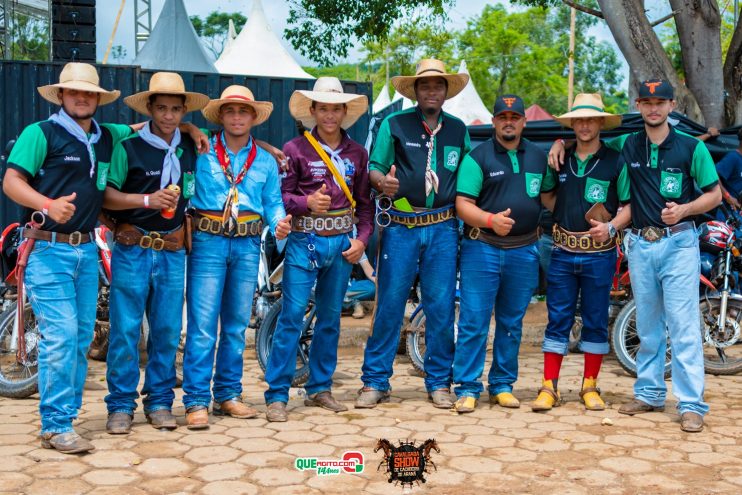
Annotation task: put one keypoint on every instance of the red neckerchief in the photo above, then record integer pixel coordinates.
(224, 162)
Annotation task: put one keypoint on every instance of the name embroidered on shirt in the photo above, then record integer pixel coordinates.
(152, 173)
(414, 145)
(562, 177)
(635, 165)
(71, 158)
(495, 174)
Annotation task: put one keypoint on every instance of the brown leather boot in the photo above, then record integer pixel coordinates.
(691, 422)
(325, 400)
(119, 423)
(197, 418)
(277, 412)
(235, 408)
(66, 443)
(637, 406)
(162, 419)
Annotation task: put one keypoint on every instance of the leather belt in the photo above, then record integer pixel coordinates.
(73, 239)
(129, 235)
(502, 242)
(580, 242)
(421, 219)
(248, 224)
(654, 234)
(334, 223)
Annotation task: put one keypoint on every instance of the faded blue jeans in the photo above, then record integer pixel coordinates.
(590, 276)
(222, 273)
(499, 279)
(432, 250)
(299, 276)
(62, 285)
(664, 278)
(151, 281)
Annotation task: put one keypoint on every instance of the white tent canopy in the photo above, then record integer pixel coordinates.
(173, 44)
(467, 105)
(382, 101)
(231, 35)
(406, 102)
(257, 51)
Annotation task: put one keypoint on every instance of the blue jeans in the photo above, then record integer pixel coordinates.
(151, 281)
(299, 276)
(359, 290)
(664, 279)
(545, 249)
(590, 275)
(499, 279)
(432, 250)
(222, 273)
(62, 285)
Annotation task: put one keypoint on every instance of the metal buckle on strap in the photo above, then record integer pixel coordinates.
(584, 243)
(145, 242)
(214, 226)
(474, 233)
(204, 224)
(652, 233)
(242, 229)
(158, 244)
(74, 239)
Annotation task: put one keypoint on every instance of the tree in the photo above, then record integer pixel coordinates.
(325, 29)
(213, 29)
(700, 94)
(29, 37)
(118, 53)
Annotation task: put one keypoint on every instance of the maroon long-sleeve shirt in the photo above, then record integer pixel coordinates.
(307, 172)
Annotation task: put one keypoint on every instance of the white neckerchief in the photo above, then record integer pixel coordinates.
(62, 119)
(431, 178)
(171, 163)
(336, 160)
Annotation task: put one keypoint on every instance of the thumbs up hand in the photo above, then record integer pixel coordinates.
(501, 222)
(319, 202)
(390, 183)
(62, 209)
(283, 228)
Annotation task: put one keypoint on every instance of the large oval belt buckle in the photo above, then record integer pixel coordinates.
(474, 233)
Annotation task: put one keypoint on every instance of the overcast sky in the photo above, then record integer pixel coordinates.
(277, 12)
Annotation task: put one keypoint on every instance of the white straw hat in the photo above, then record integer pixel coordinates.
(242, 95)
(79, 76)
(587, 105)
(327, 90)
(430, 67)
(168, 83)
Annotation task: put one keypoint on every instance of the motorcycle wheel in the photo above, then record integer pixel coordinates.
(625, 340)
(415, 342)
(722, 350)
(264, 340)
(18, 380)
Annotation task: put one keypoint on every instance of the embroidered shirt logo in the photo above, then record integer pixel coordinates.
(534, 186)
(69, 158)
(596, 193)
(670, 184)
(453, 159)
(635, 164)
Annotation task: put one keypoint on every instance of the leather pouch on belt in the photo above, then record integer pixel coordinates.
(188, 232)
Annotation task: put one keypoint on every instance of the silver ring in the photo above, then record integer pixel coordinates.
(41, 214)
(384, 203)
(383, 219)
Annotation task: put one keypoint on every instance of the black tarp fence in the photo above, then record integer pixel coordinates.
(21, 104)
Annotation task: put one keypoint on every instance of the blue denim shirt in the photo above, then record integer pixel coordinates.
(259, 192)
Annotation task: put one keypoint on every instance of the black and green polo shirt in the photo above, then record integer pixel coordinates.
(498, 179)
(403, 141)
(663, 173)
(136, 168)
(597, 179)
(57, 164)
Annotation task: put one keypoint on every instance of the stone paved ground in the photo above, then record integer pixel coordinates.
(492, 450)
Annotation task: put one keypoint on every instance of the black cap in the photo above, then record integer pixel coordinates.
(509, 103)
(656, 88)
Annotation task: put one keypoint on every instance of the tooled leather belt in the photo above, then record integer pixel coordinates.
(502, 242)
(332, 223)
(654, 234)
(248, 224)
(580, 242)
(129, 235)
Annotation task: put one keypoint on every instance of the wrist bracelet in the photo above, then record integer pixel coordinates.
(146, 200)
(489, 221)
(47, 204)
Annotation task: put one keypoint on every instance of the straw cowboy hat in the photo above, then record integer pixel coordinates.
(168, 83)
(242, 95)
(327, 90)
(430, 67)
(82, 77)
(588, 105)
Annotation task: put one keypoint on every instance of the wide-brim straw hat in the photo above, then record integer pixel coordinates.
(430, 67)
(327, 90)
(166, 83)
(79, 76)
(588, 105)
(242, 95)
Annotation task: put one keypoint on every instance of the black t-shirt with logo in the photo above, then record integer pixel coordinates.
(136, 168)
(57, 164)
(663, 173)
(403, 141)
(498, 179)
(583, 183)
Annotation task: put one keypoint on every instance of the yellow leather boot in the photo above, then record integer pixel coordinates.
(505, 399)
(547, 398)
(590, 395)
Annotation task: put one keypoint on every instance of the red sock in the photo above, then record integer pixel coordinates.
(552, 365)
(592, 365)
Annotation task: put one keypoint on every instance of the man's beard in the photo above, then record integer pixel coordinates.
(656, 124)
(430, 111)
(509, 137)
(78, 116)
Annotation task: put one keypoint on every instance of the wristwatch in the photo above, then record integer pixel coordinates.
(611, 230)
